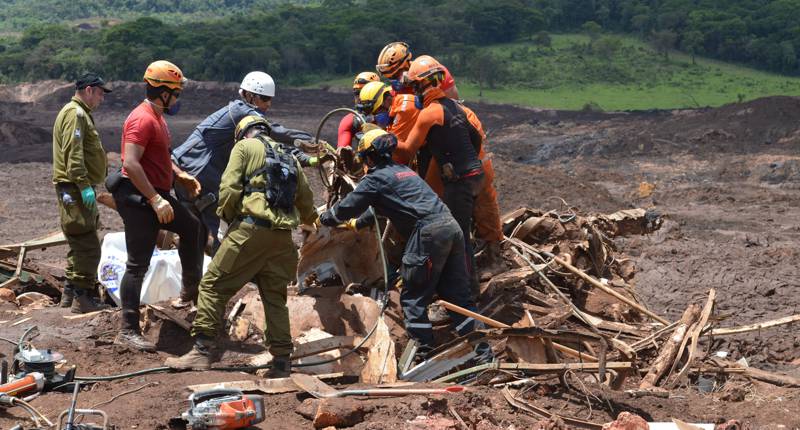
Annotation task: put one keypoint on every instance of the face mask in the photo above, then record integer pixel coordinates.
(173, 109)
(382, 119)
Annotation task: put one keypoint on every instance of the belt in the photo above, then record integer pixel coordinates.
(256, 221)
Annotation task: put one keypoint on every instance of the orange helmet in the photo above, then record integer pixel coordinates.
(424, 68)
(394, 57)
(364, 78)
(162, 73)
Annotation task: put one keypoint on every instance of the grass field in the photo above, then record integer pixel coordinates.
(630, 76)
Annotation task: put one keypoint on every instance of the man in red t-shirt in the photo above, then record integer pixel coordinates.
(144, 202)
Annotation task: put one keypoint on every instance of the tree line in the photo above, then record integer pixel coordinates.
(299, 43)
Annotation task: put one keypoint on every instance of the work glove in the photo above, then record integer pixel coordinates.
(313, 161)
(368, 126)
(88, 197)
(349, 225)
(162, 208)
(189, 183)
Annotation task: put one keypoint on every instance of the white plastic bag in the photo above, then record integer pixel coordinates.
(163, 278)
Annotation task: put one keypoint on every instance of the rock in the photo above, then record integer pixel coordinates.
(7, 295)
(627, 421)
(730, 425)
(431, 423)
(308, 409)
(339, 412)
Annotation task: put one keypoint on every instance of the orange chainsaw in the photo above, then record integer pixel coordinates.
(223, 409)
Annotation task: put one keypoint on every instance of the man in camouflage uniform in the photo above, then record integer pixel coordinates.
(263, 196)
(79, 164)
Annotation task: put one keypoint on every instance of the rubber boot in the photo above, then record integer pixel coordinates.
(493, 263)
(199, 358)
(281, 367)
(83, 303)
(66, 296)
(133, 339)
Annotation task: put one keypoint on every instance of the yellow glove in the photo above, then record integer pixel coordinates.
(349, 224)
(162, 208)
(368, 126)
(189, 183)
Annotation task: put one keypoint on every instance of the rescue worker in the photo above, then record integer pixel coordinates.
(442, 126)
(205, 152)
(79, 165)
(143, 197)
(433, 259)
(393, 61)
(263, 196)
(348, 126)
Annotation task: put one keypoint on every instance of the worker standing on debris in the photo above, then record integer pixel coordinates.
(442, 126)
(393, 63)
(143, 199)
(79, 164)
(205, 152)
(349, 127)
(264, 194)
(433, 259)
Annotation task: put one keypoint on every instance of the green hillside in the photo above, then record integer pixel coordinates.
(614, 73)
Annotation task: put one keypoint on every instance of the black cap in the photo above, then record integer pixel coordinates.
(91, 80)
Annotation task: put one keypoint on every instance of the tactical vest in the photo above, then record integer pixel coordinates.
(455, 142)
(280, 174)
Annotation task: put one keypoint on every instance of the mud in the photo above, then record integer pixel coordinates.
(727, 181)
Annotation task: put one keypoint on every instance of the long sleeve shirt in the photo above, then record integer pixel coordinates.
(247, 156)
(78, 155)
(205, 152)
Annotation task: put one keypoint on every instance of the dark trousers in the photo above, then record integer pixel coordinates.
(459, 196)
(434, 262)
(141, 230)
(209, 221)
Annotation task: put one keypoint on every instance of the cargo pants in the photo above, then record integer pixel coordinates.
(79, 225)
(434, 262)
(250, 252)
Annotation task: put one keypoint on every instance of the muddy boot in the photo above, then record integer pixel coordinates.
(66, 296)
(133, 339)
(493, 262)
(199, 358)
(281, 367)
(84, 303)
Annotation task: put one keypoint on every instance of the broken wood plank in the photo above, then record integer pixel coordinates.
(89, 314)
(266, 386)
(753, 327)
(21, 321)
(539, 368)
(695, 338)
(772, 377)
(380, 366)
(319, 346)
(169, 315)
(669, 350)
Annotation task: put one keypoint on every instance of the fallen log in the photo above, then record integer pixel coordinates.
(669, 350)
(694, 334)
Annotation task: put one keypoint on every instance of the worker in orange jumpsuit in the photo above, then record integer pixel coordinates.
(393, 61)
(443, 128)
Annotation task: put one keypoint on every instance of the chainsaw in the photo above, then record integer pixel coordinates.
(221, 409)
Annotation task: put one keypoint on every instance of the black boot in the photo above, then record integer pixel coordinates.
(84, 303)
(67, 295)
(281, 367)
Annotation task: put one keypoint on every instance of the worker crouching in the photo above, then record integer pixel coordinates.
(263, 196)
(434, 260)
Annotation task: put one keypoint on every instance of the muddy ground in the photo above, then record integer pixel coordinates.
(727, 180)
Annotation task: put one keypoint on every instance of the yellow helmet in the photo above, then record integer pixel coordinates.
(162, 73)
(394, 57)
(364, 78)
(372, 96)
(247, 123)
(378, 141)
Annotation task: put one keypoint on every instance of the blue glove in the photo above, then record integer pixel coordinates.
(88, 197)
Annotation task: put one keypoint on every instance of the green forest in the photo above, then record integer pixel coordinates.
(303, 41)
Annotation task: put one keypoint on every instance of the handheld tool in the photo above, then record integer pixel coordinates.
(29, 384)
(223, 409)
(72, 413)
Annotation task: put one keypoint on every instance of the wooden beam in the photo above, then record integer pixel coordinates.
(753, 327)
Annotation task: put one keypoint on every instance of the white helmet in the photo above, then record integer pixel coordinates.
(258, 83)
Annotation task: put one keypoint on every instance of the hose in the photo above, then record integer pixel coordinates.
(384, 305)
(320, 168)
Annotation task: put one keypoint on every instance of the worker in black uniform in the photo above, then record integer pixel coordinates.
(434, 260)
